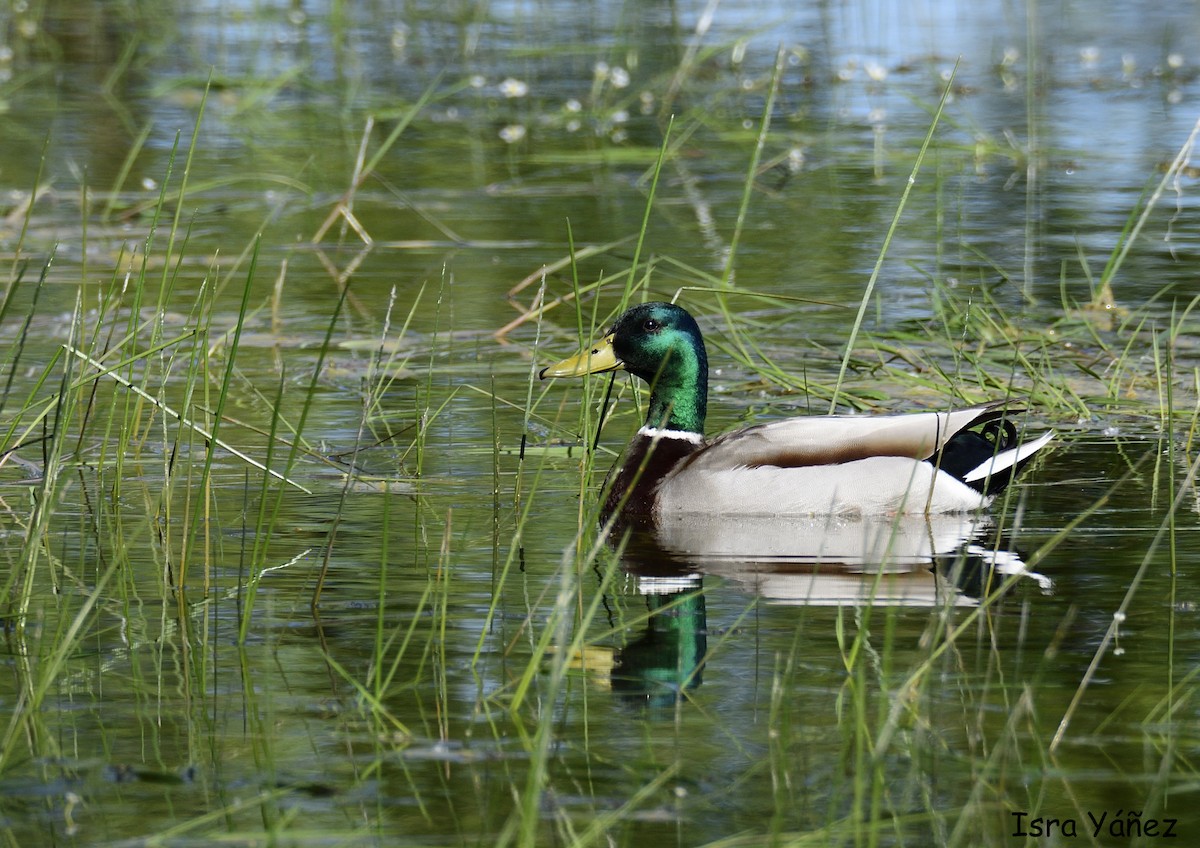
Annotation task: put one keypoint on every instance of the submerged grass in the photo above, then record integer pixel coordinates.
(130, 437)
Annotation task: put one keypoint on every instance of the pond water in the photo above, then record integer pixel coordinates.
(338, 237)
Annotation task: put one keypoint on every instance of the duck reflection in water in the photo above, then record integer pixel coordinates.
(667, 657)
(936, 562)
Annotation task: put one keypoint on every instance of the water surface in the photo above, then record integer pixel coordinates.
(703, 695)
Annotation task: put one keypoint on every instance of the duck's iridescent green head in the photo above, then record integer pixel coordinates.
(660, 343)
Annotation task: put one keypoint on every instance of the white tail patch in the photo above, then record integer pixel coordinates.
(1005, 460)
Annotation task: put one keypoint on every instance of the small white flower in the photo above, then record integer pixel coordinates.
(573, 105)
(876, 71)
(619, 117)
(619, 77)
(600, 70)
(400, 41)
(1175, 61)
(477, 81)
(512, 133)
(514, 88)
(1089, 55)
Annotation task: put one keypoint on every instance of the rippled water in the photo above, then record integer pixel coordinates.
(716, 686)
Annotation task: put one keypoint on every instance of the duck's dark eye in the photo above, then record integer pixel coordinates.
(651, 325)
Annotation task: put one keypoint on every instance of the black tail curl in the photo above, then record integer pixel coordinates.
(968, 449)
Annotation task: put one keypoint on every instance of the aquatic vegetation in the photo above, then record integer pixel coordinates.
(298, 549)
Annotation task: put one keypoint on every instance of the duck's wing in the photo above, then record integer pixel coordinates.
(834, 439)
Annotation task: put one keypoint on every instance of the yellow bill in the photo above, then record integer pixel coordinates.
(597, 359)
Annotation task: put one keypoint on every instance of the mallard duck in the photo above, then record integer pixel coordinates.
(924, 462)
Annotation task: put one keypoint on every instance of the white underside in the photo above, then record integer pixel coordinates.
(881, 485)
(871, 543)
